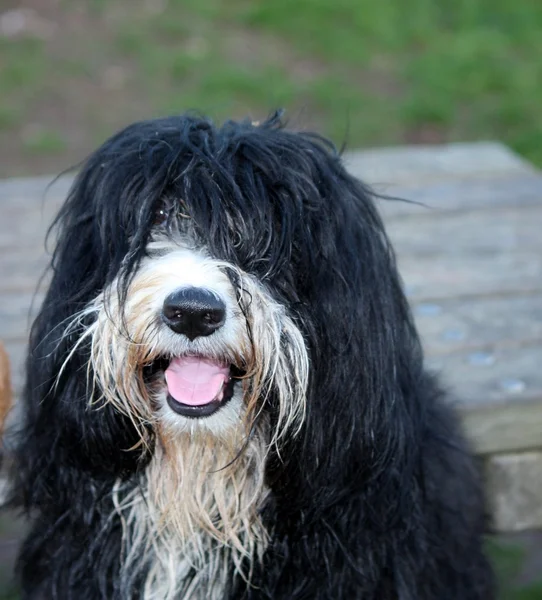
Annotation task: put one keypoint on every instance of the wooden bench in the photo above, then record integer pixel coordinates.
(471, 259)
(472, 265)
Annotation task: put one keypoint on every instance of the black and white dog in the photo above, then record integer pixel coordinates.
(226, 396)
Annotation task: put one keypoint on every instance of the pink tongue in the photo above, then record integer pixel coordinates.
(196, 381)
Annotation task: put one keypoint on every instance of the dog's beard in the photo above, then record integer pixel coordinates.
(202, 491)
(194, 516)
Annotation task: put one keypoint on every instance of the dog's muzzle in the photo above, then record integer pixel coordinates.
(197, 386)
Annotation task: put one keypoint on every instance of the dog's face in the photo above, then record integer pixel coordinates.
(196, 344)
(208, 277)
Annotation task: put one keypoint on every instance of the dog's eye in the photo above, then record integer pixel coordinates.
(169, 210)
(161, 216)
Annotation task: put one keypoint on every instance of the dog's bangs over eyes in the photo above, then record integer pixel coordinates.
(252, 192)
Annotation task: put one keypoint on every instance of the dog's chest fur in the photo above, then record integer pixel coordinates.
(191, 523)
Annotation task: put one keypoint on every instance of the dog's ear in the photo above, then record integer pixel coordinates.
(365, 352)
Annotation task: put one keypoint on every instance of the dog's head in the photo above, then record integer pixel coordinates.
(211, 279)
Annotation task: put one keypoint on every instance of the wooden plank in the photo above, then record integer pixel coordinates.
(499, 394)
(17, 310)
(16, 191)
(30, 215)
(485, 193)
(511, 374)
(30, 239)
(25, 271)
(451, 276)
(433, 163)
(26, 235)
(24, 281)
(486, 351)
(500, 231)
(454, 326)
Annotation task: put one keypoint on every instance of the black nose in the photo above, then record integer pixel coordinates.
(194, 312)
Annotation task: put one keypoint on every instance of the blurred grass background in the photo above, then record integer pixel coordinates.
(365, 72)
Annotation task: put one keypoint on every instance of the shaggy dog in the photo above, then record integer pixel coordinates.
(226, 396)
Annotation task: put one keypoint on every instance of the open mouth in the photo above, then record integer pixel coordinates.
(199, 386)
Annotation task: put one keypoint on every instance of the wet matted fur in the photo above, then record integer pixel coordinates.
(332, 469)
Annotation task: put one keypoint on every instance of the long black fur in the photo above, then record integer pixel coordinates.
(377, 498)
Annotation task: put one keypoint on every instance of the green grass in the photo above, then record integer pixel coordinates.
(373, 73)
(508, 560)
(44, 141)
(9, 594)
(471, 67)
(23, 64)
